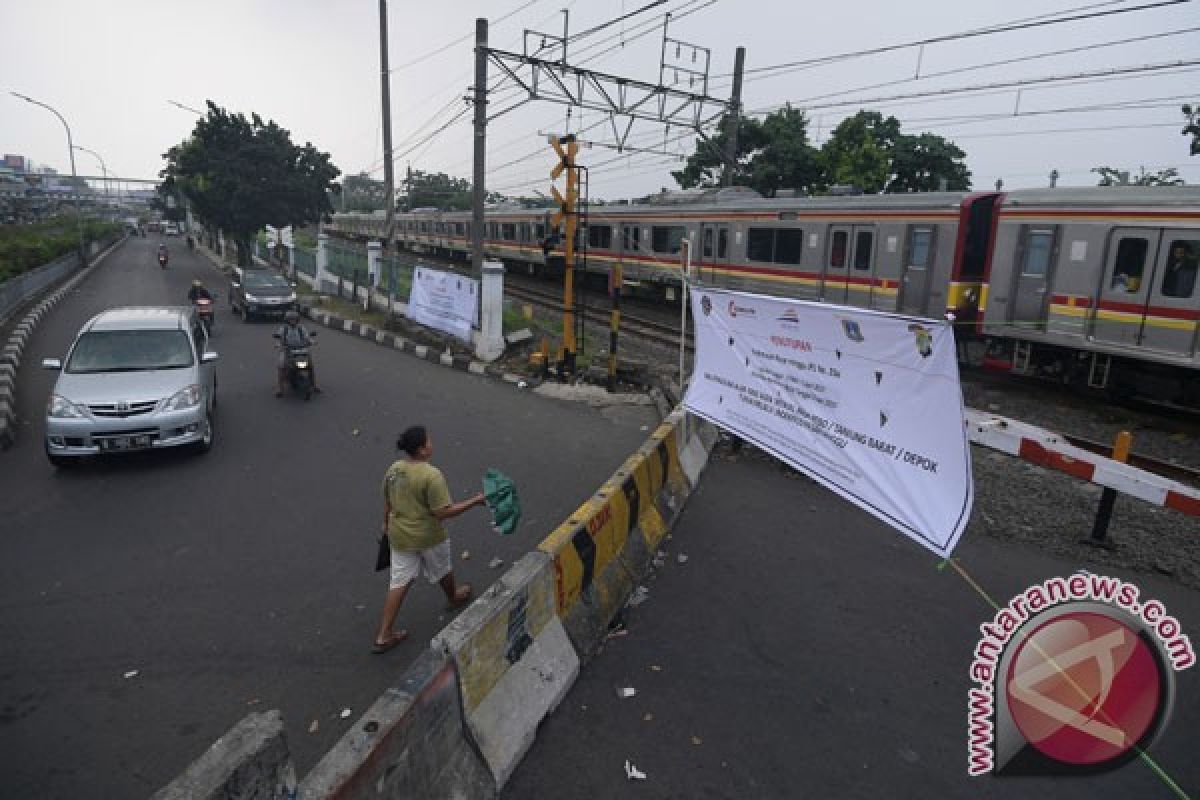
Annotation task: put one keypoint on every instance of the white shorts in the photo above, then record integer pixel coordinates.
(407, 565)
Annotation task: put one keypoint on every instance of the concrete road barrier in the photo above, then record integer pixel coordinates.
(410, 743)
(250, 762)
(607, 545)
(515, 662)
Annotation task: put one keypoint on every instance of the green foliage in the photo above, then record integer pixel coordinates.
(922, 163)
(241, 175)
(866, 150)
(1192, 114)
(1115, 177)
(361, 192)
(437, 190)
(26, 247)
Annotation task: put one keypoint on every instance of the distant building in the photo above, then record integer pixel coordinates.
(18, 163)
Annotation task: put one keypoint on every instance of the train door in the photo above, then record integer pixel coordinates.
(918, 262)
(837, 266)
(862, 262)
(1173, 311)
(1125, 286)
(714, 253)
(1035, 261)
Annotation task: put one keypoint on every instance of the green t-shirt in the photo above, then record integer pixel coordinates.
(414, 489)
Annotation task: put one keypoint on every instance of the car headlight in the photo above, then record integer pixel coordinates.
(252, 299)
(62, 408)
(187, 397)
(291, 298)
(301, 365)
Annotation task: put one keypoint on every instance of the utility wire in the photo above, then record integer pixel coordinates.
(460, 40)
(615, 20)
(1002, 28)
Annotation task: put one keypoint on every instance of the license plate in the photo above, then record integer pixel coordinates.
(125, 443)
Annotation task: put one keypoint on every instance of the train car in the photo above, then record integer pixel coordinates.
(1097, 287)
(922, 254)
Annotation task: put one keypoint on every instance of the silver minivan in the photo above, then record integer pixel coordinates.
(135, 378)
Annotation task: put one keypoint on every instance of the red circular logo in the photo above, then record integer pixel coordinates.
(1084, 688)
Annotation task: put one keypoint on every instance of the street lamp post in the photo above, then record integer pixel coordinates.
(71, 153)
(103, 169)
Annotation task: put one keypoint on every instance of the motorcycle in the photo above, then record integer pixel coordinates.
(206, 313)
(298, 364)
(162, 260)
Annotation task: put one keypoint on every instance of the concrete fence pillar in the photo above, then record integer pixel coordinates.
(374, 263)
(490, 345)
(322, 261)
(291, 265)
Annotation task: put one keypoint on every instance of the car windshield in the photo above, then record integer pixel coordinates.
(265, 280)
(130, 351)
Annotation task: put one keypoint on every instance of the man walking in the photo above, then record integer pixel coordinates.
(416, 502)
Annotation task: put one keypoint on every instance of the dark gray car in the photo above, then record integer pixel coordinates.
(260, 292)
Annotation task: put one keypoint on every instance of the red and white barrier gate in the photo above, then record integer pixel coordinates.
(1048, 449)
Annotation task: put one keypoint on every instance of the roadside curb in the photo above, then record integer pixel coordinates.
(10, 354)
(395, 341)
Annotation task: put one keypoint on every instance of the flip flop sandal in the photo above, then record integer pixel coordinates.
(462, 596)
(396, 639)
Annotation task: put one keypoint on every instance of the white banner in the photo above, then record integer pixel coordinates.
(444, 300)
(864, 402)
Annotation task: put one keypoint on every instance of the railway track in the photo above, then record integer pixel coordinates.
(659, 332)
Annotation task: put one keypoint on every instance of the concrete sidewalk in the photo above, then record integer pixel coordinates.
(802, 650)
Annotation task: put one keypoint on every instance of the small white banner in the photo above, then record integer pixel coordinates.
(444, 300)
(866, 403)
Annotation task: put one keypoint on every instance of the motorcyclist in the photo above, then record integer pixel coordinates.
(292, 335)
(191, 243)
(198, 291)
(162, 253)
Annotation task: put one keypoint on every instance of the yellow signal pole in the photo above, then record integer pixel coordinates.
(566, 216)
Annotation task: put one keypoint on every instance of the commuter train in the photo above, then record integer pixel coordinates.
(1089, 286)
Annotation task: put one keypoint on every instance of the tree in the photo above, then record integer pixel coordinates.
(927, 163)
(241, 175)
(772, 154)
(859, 151)
(1192, 114)
(705, 167)
(1114, 177)
(362, 193)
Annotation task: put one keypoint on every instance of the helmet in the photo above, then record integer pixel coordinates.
(292, 317)
(197, 282)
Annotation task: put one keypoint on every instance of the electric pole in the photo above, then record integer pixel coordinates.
(478, 193)
(735, 106)
(385, 79)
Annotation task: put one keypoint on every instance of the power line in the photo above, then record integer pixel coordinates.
(460, 40)
(1003, 62)
(1108, 74)
(1002, 28)
(615, 20)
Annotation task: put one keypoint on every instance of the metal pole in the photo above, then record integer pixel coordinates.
(71, 153)
(478, 193)
(1120, 454)
(683, 305)
(388, 176)
(735, 106)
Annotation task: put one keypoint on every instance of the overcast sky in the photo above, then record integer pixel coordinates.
(111, 67)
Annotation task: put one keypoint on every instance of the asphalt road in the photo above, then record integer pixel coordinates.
(242, 580)
(805, 650)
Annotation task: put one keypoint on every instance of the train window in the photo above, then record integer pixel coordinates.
(918, 248)
(599, 237)
(1037, 253)
(631, 238)
(523, 231)
(862, 250)
(722, 242)
(666, 239)
(458, 228)
(708, 243)
(1179, 280)
(789, 244)
(760, 243)
(1130, 264)
(508, 231)
(837, 250)
(540, 231)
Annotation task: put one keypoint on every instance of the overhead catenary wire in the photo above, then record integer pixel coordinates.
(461, 39)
